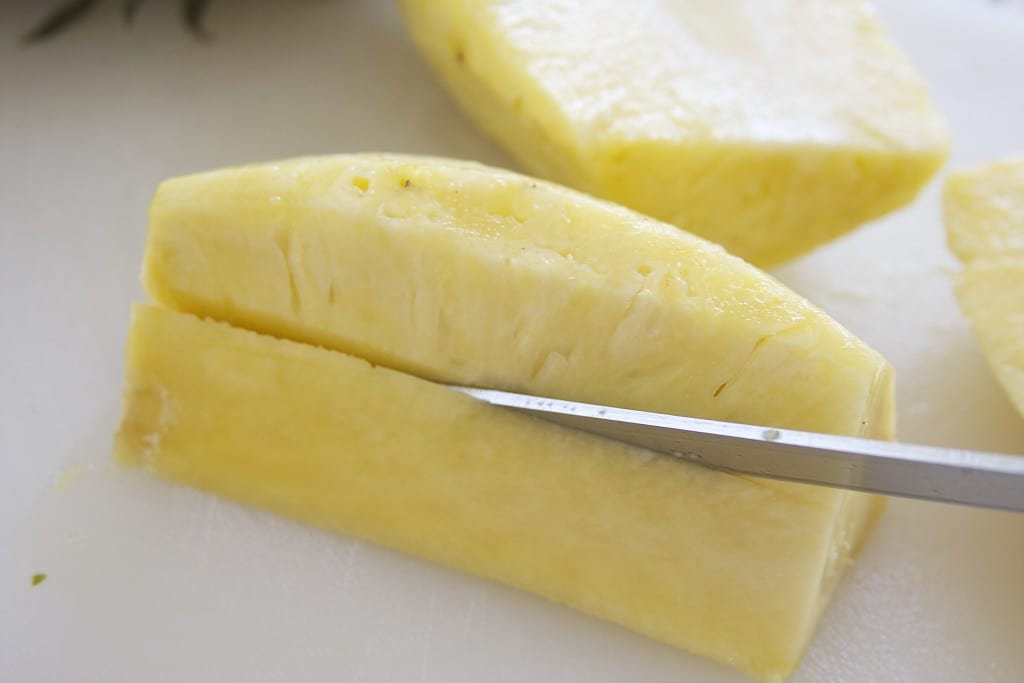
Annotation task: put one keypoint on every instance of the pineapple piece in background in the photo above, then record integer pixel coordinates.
(984, 212)
(722, 565)
(458, 273)
(768, 126)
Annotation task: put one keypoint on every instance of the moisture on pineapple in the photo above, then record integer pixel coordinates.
(984, 212)
(433, 269)
(769, 126)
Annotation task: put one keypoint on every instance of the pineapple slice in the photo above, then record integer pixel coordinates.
(726, 566)
(454, 272)
(984, 210)
(465, 274)
(768, 126)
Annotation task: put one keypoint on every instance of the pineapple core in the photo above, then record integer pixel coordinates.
(769, 126)
(984, 211)
(336, 290)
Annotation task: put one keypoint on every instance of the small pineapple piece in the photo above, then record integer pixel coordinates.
(984, 211)
(723, 565)
(768, 126)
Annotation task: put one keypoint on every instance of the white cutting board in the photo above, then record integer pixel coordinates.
(150, 582)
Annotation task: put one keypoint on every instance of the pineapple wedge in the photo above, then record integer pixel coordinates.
(465, 274)
(984, 211)
(769, 126)
(454, 272)
(723, 565)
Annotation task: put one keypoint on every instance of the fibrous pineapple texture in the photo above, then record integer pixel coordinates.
(769, 126)
(984, 210)
(453, 272)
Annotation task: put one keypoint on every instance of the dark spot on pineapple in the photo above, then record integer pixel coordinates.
(720, 389)
(460, 55)
(406, 182)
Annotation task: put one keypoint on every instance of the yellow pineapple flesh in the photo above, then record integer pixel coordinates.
(984, 211)
(449, 271)
(466, 274)
(723, 565)
(769, 126)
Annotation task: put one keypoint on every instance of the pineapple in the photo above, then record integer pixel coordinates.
(465, 274)
(410, 270)
(769, 126)
(984, 210)
(723, 565)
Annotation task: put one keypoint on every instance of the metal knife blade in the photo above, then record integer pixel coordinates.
(981, 479)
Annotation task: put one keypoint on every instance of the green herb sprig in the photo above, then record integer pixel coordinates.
(70, 13)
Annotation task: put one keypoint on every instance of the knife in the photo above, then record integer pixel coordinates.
(949, 475)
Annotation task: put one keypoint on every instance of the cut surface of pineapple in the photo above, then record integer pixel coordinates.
(984, 212)
(726, 566)
(458, 273)
(471, 275)
(768, 126)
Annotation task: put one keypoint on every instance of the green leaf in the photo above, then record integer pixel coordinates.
(58, 20)
(192, 15)
(129, 9)
(38, 579)
(193, 12)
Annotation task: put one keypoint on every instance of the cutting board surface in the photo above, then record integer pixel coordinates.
(152, 582)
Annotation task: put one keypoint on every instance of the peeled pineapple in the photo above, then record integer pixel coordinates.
(450, 271)
(984, 209)
(769, 126)
(466, 274)
(719, 564)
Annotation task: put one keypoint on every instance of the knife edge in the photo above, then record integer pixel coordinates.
(950, 475)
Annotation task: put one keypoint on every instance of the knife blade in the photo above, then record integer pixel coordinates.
(949, 475)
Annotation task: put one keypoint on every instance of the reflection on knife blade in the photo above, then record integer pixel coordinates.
(992, 480)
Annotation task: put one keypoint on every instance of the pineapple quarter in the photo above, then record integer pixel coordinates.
(768, 126)
(723, 565)
(465, 274)
(984, 213)
(435, 270)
